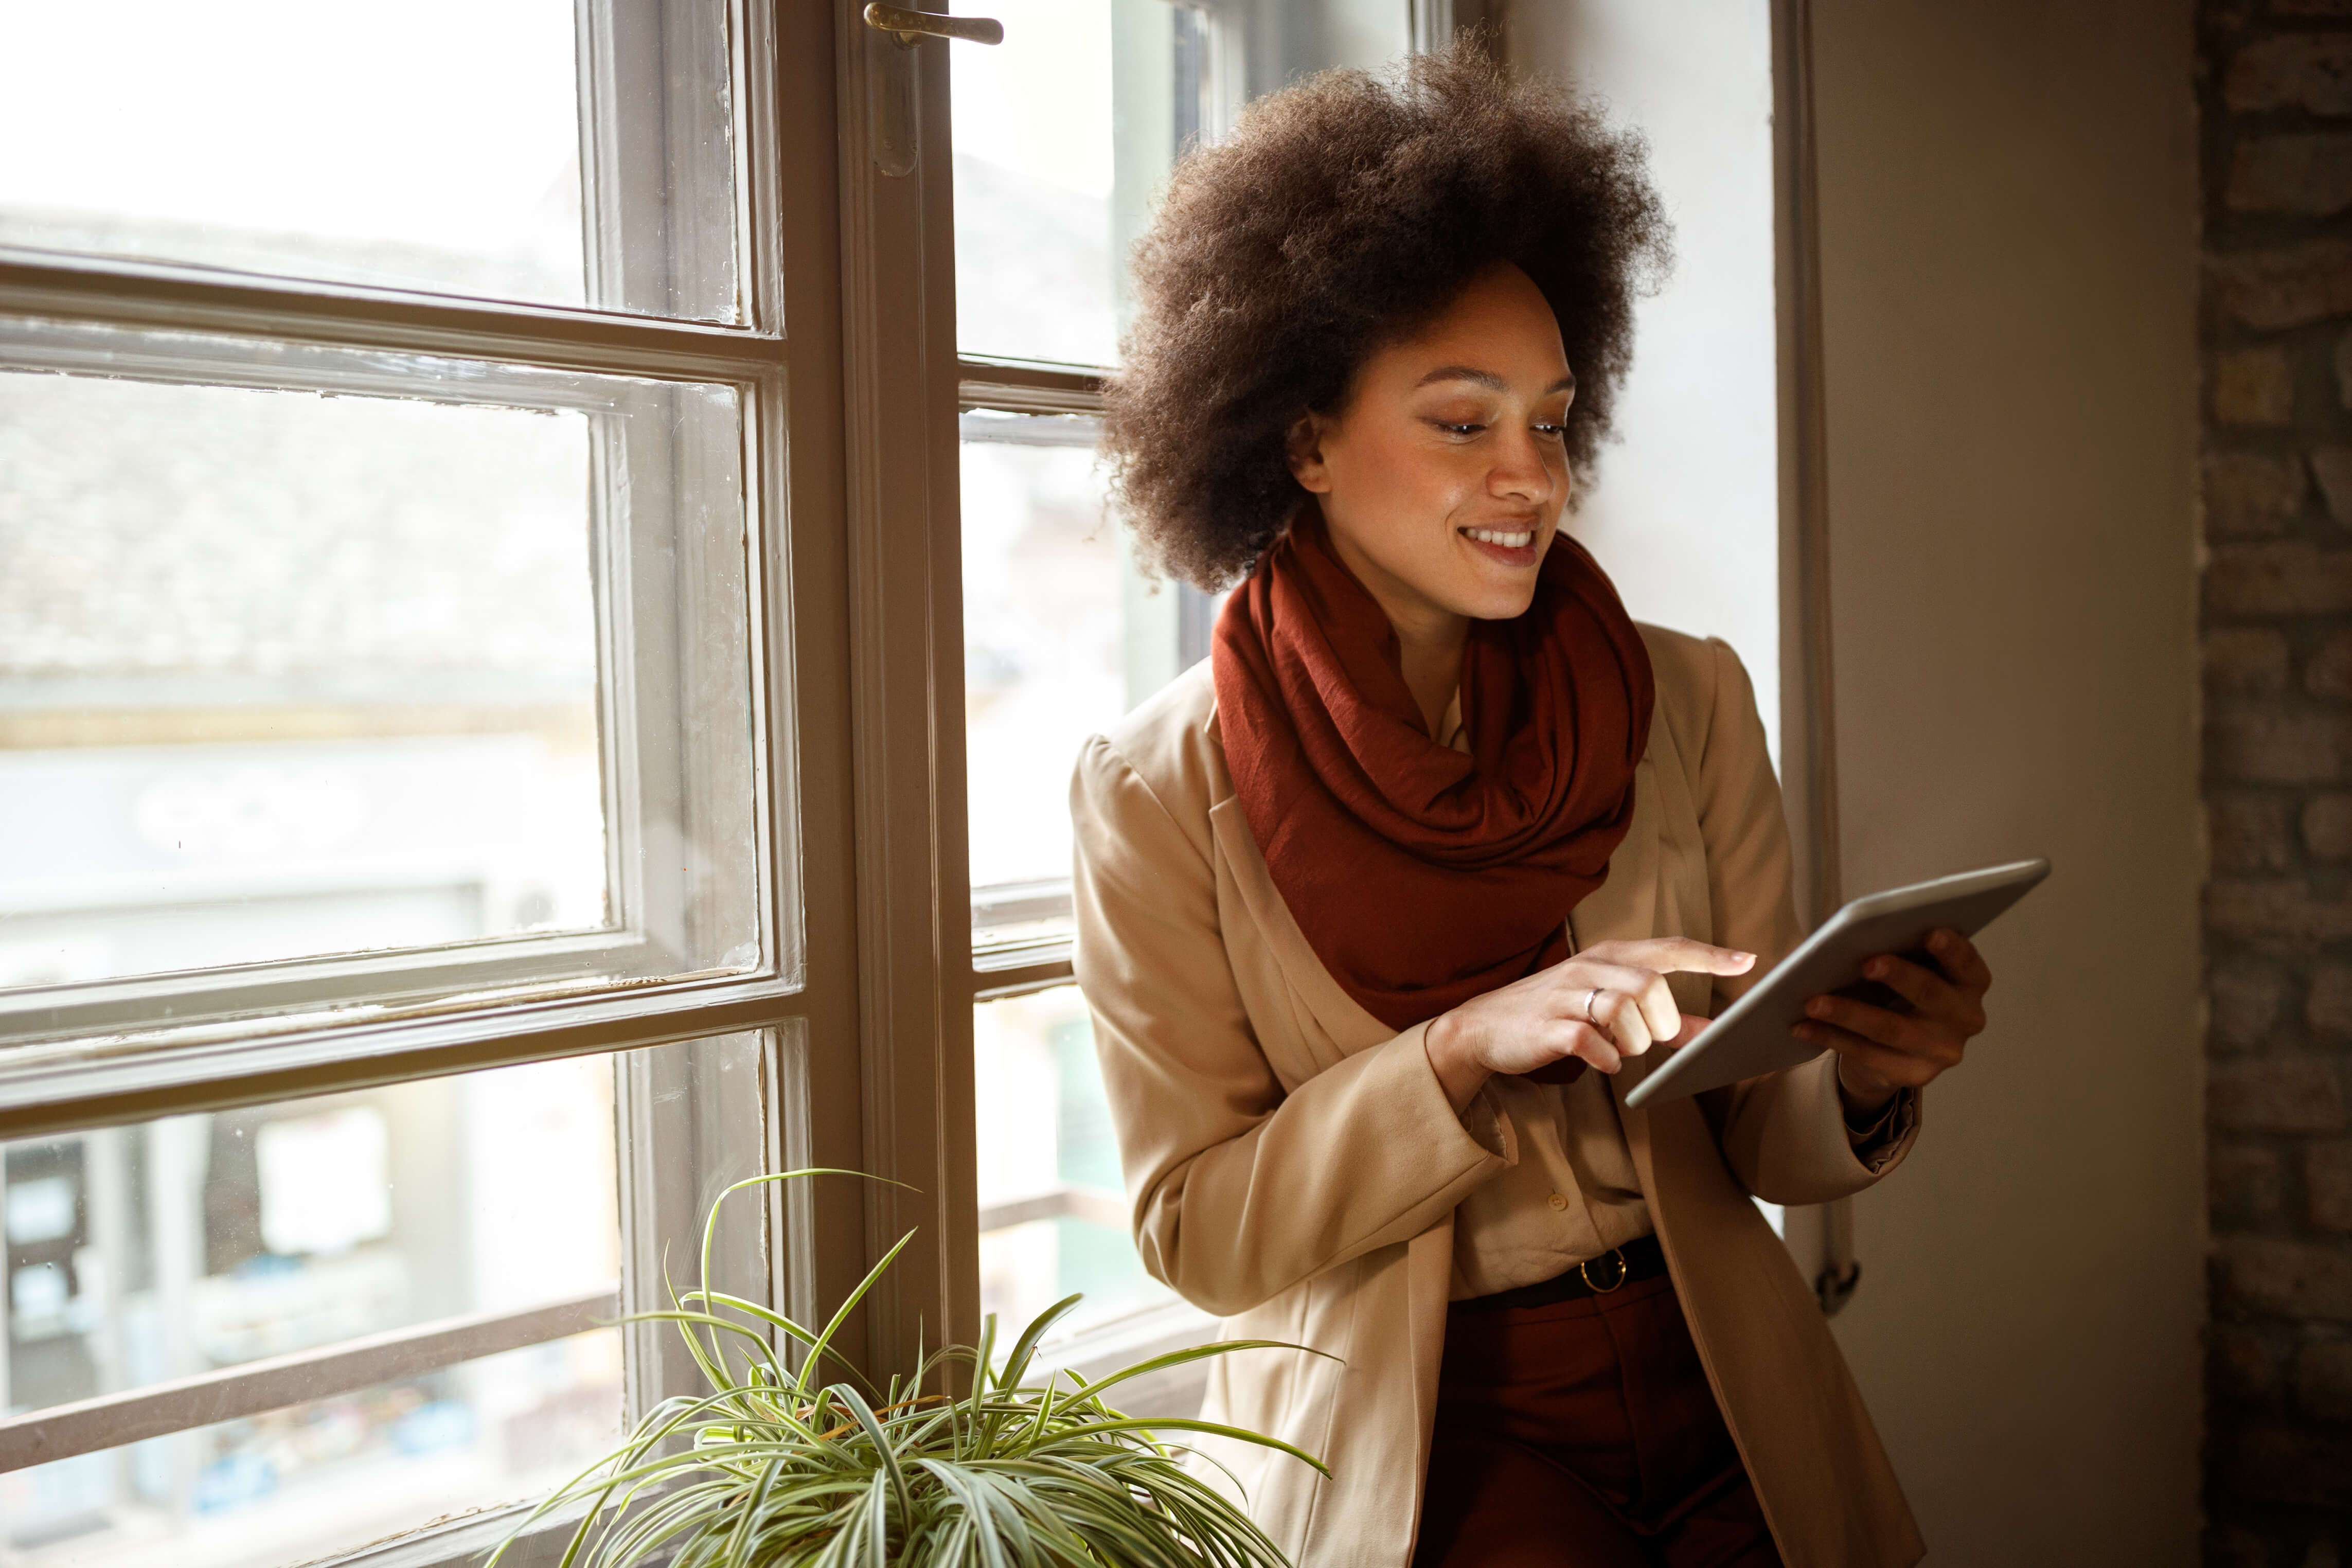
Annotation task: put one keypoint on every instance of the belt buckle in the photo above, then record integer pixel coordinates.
(1623, 1269)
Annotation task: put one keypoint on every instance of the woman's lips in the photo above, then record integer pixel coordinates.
(1509, 546)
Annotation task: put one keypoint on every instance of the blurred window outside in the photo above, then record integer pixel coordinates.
(357, 676)
(404, 1295)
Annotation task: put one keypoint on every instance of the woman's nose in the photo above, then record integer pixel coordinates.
(1520, 473)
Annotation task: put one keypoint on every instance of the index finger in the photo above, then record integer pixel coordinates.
(1682, 954)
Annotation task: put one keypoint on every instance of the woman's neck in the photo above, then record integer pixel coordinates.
(1432, 656)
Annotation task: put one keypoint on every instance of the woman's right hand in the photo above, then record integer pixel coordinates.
(1605, 1003)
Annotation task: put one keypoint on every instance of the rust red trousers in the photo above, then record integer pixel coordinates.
(1583, 1434)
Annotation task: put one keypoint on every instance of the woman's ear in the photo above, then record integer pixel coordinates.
(1303, 448)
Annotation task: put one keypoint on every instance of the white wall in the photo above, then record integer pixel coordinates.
(1685, 517)
(2007, 221)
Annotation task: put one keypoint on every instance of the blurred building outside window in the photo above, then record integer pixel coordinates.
(358, 675)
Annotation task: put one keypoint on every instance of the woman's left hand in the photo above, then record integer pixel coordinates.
(1881, 1051)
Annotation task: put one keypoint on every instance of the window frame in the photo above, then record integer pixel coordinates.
(809, 1002)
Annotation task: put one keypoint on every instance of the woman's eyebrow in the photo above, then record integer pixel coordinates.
(1486, 378)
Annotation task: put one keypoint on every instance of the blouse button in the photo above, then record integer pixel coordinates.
(1560, 1200)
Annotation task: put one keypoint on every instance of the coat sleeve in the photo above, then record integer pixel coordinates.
(1240, 1189)
(1784, 1134)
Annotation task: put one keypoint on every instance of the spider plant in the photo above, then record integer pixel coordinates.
(772, 1468)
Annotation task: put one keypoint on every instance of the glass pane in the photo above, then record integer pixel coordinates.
(297, 672)
(140, 1254)
(439, 146)
(1053, 1208)
(1065, 134)
(1061, 634)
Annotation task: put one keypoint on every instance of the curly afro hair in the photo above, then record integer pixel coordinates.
(1343, 213)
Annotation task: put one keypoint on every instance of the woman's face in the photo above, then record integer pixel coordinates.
(1443, 476)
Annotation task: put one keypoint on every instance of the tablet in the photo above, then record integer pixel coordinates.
(1752, 1036)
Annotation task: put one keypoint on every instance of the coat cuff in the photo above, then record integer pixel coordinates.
(1877, 1138)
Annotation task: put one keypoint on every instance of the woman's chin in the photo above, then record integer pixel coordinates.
(1502, 602)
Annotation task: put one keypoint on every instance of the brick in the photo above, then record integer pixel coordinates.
(2327, 826)
(2306, 1281)
(2310, 71)
(2249, 495)
(2279, 748)
(2247, 832)
(2305, 175)
(2332, 466)
(2291, 287)
(2244, 661)
(2327, 1011)
(2274, 910)
(2275, 1462)
(2328, 673)
(2245, 1185)
(2323, 1380)
(2252, 386)
(2238, 1365)
(2328, 1185)
(2290, 579)
(2243, 1001)
(2277, 1094)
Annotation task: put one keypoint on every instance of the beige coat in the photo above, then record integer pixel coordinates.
(1295, 1165)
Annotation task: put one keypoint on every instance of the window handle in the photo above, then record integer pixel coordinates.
(911, 28)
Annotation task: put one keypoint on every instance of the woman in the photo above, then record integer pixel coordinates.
(1435, 830)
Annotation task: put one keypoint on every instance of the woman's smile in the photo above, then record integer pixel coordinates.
(1513, 547)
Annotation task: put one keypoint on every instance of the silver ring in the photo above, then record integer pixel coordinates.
(1589, 998)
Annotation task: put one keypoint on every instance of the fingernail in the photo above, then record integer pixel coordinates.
(1875, 969)
(1818, 1008)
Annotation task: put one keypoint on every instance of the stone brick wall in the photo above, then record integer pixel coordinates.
(2276, 98)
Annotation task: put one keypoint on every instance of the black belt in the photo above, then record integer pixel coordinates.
(1641, 1258)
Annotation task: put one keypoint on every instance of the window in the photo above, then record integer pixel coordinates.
(1064, 139)
(405, 839)
(337, 1316)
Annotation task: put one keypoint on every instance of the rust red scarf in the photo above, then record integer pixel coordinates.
(1423, 876)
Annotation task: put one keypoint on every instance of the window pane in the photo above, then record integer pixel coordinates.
(439, 146)
(1056, 158)
(137, 1254)
(324, 669)
(1065, 134)
(1053, 1208)
(302, 666)
(1061, 636)
(289, 1485)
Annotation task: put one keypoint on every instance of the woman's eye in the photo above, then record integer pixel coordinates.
(1552, 432)
(1451, 428)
